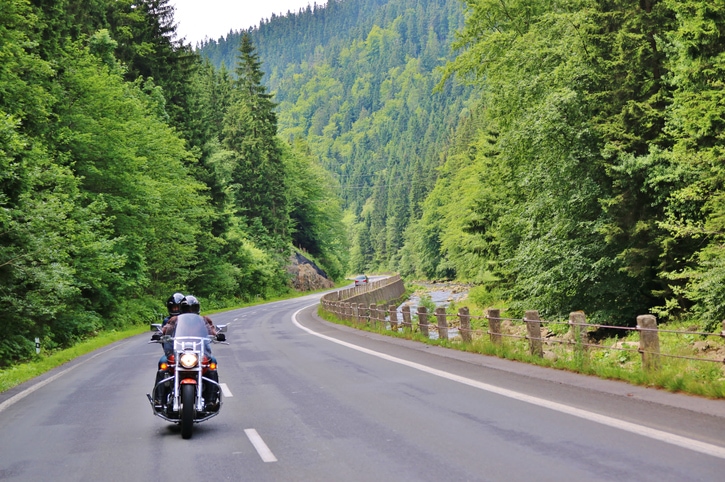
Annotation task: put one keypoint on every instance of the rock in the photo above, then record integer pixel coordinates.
(550, 355)
(701, 345)
(506, 326)
(306, 275)
(626, 345)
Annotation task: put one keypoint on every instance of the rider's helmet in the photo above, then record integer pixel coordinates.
(173, 304)
(190, 305)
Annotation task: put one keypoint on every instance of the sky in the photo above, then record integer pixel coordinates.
(197, 19)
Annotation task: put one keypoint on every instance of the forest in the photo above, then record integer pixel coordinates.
(556, 155)
(130, 168)
(559, 155)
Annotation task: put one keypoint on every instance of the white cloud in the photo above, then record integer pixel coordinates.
(197, 19)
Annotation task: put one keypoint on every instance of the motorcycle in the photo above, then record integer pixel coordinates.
(187, 389)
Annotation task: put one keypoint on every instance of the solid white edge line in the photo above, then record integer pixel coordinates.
(259, 445)
(688, 443)
(19, 396)
(225, 390)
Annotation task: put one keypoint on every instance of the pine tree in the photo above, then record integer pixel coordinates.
(149, 47)
(250, 132)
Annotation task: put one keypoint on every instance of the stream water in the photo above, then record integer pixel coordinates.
(442, 294)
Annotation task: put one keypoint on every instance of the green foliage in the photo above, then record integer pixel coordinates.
(694, 213)
(115, 184)
(585, 178)
(427, 302)
(316, 215)
(577, 169)
(258, 181)
(356, 84)
(144, 185)
(486, 296)
(49, 360)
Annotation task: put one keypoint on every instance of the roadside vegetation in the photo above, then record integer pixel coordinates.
(613, 357)
(46, 361)
(49, 359)
(560, 155)
(130, 169)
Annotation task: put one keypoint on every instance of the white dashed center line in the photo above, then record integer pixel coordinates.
(262, 449)
(225, 390)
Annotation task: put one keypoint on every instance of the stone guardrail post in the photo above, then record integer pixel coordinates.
(533, 329)
(393, 318)
(407, 324)
(442, 323)
(494, 325)
(373, 315)
(649, 342)
(423, 320)
(578, 329)
(362, 314)
(465, 324)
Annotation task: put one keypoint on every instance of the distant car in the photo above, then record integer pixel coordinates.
(361, 280)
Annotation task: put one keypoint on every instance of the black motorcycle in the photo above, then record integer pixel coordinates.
(187, 389)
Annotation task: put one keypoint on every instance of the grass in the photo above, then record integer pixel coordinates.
(676, 375)
(695, 377)
(44, 362)
(21, 373)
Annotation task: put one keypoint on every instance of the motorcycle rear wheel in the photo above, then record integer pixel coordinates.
(188, 394)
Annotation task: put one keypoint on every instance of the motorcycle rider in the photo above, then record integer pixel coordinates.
(210, 392)
(173, 307)
(190, 304)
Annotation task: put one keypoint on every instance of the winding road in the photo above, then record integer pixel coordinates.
(311, 401)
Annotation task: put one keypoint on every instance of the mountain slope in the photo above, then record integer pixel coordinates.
(356, 80)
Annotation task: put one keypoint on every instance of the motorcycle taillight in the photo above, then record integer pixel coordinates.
(172, 359)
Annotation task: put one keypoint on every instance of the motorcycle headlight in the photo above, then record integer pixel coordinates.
(188, 360)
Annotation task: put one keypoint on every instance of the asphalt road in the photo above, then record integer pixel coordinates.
(315, 401)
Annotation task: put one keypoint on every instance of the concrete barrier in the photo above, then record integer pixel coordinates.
(376, 292)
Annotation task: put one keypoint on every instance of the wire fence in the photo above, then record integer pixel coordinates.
(575, 335)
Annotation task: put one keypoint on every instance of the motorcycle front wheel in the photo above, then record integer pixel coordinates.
(188, 394)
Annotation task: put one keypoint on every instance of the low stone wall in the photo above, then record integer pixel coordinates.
(384, 290)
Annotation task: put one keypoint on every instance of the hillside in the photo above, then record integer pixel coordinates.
(588, 177)
(356, 80)
(130, 169)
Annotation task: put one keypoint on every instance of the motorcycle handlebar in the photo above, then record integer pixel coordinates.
(168, 338)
